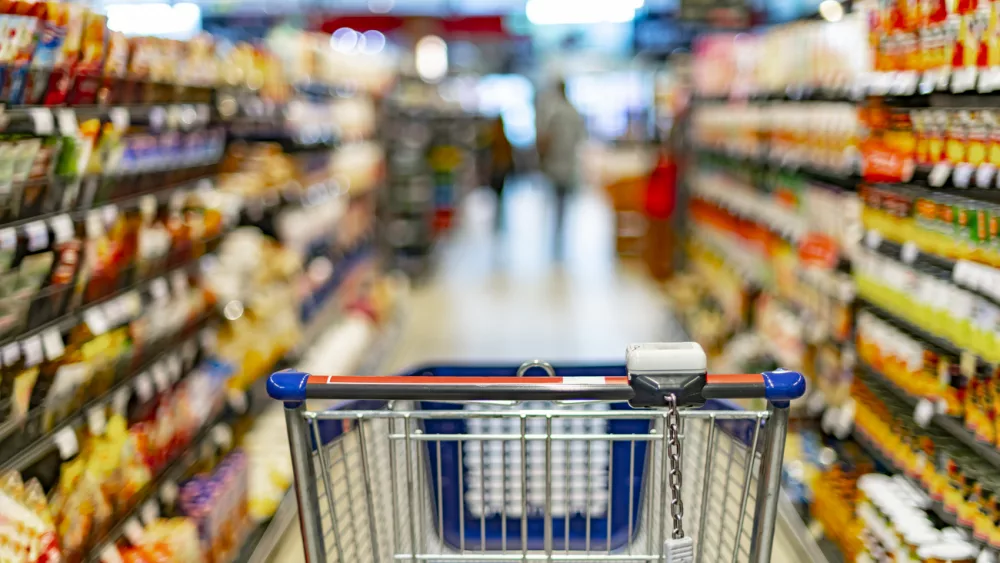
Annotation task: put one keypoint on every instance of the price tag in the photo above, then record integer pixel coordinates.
(110, 554)
(174, 367)
(873, 239)
(119, 118)
(174, 114)
(816, 529)
(985, 174)
(816, 402)
(160, 377)
(97, 420)
(908, 253)
(208, 338)
(62, 228)
(159, 289)
(96, 321)
(222, 435)
(968, 364)
(66, 443)
(32, 347)
(237, 400)
(157, 117)
(109, 213)
(942, 407)
(963, 175)
(112, 312)
(928, 82)
(11, 354)
(150, 511)
(905, 83)
(93, 225)
(132, 303)
(52, 343)
(66, 118)
(828, 419)
(119, 402)
(844, 422)
(960, 274)
(144, 386)
(43, 120)
(38, 235)
(189, 351)
(963, 79)
(8, 239)
(168, 492)
(923, 413)
(133, 531)
(179, 280)
(939, 174)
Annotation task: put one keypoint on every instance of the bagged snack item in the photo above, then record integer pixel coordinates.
(48, 54)
(115, 69)
(87, 73)
(27, 531)
(176, 536)
(22, 20)
(70, 22)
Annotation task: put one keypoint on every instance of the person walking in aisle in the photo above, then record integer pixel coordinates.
(561, 131)
(501, 165)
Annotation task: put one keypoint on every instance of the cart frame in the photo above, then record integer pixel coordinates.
(397, 430)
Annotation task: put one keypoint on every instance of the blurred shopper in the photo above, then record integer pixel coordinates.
(501, 165)
(560, 132)
(665, 193)
(661, 200)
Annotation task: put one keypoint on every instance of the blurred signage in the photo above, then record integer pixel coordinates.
(661, 34)
(716, 13)
(478, 26)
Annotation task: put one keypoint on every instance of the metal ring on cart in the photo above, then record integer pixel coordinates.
(545, 366)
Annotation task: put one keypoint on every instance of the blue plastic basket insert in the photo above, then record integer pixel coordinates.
(489, 472)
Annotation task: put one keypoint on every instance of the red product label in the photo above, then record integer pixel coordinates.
(882, 165)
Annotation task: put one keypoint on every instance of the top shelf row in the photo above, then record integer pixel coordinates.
(244, 114)
(905, 89)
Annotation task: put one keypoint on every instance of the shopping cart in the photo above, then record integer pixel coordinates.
(535, 463)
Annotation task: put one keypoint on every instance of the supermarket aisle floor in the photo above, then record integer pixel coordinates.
(506, 299)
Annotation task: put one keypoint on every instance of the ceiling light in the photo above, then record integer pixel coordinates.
(431, 58)
(831, 10)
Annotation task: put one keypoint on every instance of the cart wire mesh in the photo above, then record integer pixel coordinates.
(447, 482)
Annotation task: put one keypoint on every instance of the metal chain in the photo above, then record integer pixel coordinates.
(674, 476)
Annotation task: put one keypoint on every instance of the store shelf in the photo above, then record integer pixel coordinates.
(124, 202)
(261, 542)
(48, 443)
(978, 278)
(201, 447)
(97, 307)
(949, 424)
(921, 334)
(847, 182)
(45, 120)
(936, 507)
(804, 94)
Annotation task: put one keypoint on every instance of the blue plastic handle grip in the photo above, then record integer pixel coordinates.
(783, 386)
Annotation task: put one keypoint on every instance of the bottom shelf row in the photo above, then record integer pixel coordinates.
(196, 481)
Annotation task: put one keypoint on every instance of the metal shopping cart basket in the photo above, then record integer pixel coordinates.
(535, 463)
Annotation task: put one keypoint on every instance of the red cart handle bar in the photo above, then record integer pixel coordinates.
(645, 390)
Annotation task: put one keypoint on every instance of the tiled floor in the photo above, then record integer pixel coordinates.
(504, 297)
